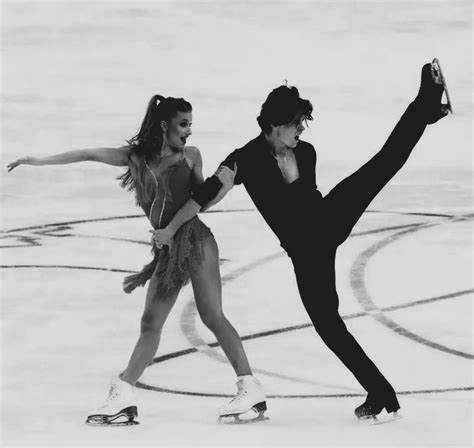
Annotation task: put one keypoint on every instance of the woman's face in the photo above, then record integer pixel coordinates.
(179, 129)
(289, 134)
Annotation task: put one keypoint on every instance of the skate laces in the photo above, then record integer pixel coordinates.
(241, 391)
(114, 394)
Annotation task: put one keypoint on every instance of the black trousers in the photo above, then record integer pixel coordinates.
(337, 213)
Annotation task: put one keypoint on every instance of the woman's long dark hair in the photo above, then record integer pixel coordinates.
(149, 139)
(147, 143)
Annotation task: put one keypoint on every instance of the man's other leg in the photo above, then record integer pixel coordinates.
(316, 283)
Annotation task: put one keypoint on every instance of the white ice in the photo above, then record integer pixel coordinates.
(79, 74)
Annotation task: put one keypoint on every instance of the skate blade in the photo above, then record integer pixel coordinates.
(438, 78)
(126, 423)
(236, 419)
(254, 415)
(380, 419)
(126, 417)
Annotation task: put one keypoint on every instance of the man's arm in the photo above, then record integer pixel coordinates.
(188, 211)
(227, 177)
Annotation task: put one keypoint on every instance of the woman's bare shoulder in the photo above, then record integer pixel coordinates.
(193, 154)
(133, 156)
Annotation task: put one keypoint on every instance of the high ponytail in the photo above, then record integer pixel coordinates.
(147, 143)
(149, 139)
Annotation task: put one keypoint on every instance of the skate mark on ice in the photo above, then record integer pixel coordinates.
(189, 329)
(52, 229)
(202, 346)
(112, 218)
(192, 350)
(65, 266)
(19, 241)
(107, 218)
(358, 285)
(144, 386)
(190, 313)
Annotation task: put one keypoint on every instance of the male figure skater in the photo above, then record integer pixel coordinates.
(278, 171)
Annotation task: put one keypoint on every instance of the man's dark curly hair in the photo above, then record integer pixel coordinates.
(283, 106)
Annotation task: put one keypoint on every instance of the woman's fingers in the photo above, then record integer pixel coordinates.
(159, 238)
(17, 162)
(12, 165)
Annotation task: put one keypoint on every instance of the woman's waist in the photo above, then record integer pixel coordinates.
(161, 213)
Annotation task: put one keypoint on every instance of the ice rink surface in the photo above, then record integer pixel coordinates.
(79, 75)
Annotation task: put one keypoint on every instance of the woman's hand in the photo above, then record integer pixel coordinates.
(226, 175)
(162, 237)
(22, 161)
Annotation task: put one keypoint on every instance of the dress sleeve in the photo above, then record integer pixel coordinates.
(207, 191)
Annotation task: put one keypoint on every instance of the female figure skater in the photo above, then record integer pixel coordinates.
(161, 172)
(278, 171)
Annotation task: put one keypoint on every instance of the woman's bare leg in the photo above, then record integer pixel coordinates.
(207, 289)
(154, 316)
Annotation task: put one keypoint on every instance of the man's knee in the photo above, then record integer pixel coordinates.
(329, 326)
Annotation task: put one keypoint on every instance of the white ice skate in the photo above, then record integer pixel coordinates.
(248, 405)
(119, 408)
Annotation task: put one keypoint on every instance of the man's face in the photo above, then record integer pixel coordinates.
(289, 134)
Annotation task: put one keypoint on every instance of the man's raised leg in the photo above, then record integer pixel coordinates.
(346, 202)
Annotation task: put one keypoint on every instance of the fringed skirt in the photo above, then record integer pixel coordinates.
(172, 266)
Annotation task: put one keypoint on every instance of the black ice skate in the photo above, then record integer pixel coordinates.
(119, 409)
(438, 78)
(428, 100)
(372, 407)
(248, 405)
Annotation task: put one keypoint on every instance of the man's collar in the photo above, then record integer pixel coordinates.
(264, 144)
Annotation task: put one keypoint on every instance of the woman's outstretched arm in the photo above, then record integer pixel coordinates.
(110, 156)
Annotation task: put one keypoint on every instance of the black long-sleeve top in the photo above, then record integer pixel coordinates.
(289, 209)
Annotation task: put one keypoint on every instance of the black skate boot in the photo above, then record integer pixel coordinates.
(374, 405)
(428, 100)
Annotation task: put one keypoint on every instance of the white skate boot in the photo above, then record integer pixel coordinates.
(248, 405)
(118, 409)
